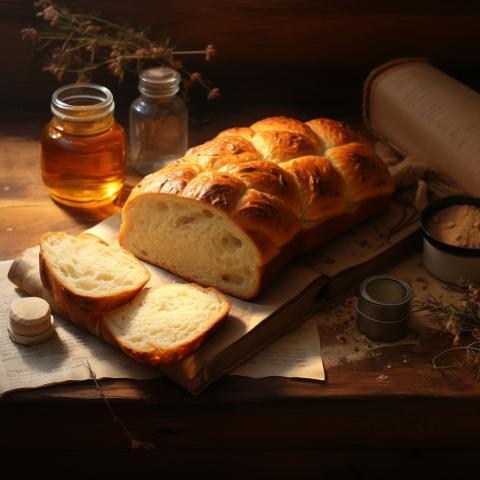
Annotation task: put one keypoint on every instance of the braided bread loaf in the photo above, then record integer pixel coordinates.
(237, 208)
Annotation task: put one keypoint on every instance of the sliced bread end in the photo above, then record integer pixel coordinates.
(164, 324)
(87, 276)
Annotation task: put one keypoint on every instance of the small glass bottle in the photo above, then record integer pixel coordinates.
(158, 121)
(83, 148)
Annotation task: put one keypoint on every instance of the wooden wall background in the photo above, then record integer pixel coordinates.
(270, 51)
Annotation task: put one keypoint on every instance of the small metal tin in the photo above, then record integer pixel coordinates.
(383, 308)
(449, 263)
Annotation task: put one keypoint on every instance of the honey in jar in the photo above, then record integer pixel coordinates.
(83, 147)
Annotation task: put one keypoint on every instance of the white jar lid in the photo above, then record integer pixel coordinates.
(30, 311)
(31, 321)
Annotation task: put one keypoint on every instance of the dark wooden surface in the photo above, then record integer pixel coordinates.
(274, 51)
(342, 428)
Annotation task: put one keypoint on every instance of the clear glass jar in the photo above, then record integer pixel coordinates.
(83, 148)
(158, 121)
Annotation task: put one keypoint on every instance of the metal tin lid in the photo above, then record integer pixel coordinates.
(386, 291)
(383, 308)
(159, 82)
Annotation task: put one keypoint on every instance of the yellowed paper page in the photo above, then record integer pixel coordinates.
(296, 354)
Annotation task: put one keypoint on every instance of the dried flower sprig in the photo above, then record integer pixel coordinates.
(461, 319)
(82, 43)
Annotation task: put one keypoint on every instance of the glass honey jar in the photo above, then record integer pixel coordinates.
(83, 147)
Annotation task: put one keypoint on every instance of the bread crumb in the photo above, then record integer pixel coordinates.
(383, 379)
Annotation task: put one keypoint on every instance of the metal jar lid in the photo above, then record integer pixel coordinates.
(383, 308)
(159, 82)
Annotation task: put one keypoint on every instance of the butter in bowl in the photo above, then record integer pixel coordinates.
(451, 239)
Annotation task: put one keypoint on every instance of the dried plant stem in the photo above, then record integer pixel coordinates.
(82, 43)
(472, 348)
(134, 443)
(461, 318)
(401, 343)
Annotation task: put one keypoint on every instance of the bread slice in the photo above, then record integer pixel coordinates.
(164, 324)
(87, 276)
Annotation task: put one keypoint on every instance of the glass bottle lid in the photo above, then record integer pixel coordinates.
(159, 82)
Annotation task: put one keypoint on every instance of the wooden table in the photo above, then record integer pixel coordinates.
(350, 425)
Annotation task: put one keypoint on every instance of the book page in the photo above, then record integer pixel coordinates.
(293, 355)
(365, 242)
(429, 116)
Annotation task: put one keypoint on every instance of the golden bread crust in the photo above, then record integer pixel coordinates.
(258, 211)
(243, 132)
(365, 174)
(215, 153)
(321, 187)
(332, 133)
(285, 124)
(268, 177)
(171, 179)
(282, 146)
(218, 189)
